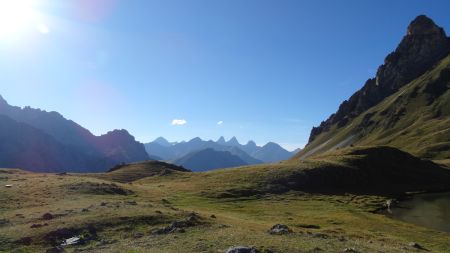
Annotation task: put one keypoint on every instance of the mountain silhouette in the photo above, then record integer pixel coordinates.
(82, 151)
(250, 153)
(209, 159)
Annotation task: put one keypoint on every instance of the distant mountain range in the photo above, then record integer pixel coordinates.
(209, 159)
(406, 105)
(42, 141)
(38, 140)
(250, 153)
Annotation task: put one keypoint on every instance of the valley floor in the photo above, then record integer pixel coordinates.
(137, 216)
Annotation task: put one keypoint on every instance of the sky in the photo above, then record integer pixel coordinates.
(262, 70)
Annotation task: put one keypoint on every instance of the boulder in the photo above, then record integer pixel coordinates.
(241, 249)
(416, 245)
(280, 229)
(47, 216)
(350, 250)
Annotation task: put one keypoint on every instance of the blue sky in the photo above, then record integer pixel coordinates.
(268, 70)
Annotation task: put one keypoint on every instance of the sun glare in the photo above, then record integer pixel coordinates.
(16, 16)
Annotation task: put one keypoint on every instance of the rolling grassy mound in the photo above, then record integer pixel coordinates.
(131, 172)
(383, 171)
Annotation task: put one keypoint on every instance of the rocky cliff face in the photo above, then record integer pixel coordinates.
(424, 45)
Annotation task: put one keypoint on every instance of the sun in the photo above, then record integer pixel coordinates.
(16, 16)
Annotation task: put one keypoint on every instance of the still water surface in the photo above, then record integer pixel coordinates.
(427, 210)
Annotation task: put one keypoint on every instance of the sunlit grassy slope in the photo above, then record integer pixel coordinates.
(416, 119)
(233, 206)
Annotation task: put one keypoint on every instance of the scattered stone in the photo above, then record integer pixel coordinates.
(350, 250)
(71, 241)
(213, 216)
(47, 216)
(241, 249)
(107, 241)
(416, 245)
(103, 204)
(280, 229)
(178, 226)
(24, 241)
(193, 217)
(8, 185)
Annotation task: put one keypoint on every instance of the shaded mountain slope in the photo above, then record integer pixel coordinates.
(23, 146)
(382, 171)
(415, 119)
(209, 159)
(406, 105)
(93, 153)
(156, 149)
(420, 49)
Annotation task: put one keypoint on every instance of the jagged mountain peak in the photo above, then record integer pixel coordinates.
(424, 45)
(233, 141)
(422, 25)
(221, 140)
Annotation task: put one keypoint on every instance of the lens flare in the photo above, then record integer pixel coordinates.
(15, 16)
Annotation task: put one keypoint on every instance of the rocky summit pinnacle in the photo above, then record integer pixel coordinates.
(423, 46)
(423, 25)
